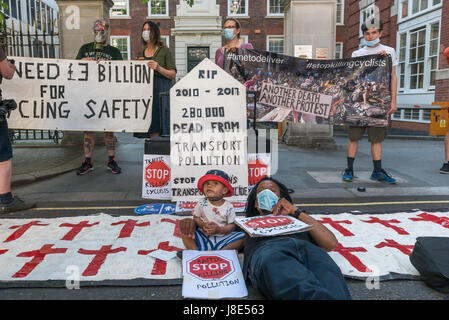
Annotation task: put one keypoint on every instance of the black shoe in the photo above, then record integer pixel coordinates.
(179, 254)
(85, 168)
(113, 167)
(16, 205)
(445, 168)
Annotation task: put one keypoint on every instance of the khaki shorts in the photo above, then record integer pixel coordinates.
(375, 134)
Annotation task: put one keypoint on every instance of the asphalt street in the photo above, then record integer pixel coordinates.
(313, 175)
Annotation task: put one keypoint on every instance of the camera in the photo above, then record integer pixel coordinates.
(6, 106)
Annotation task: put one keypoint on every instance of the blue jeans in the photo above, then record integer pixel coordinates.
(293, 269)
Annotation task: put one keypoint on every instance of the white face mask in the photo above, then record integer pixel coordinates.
(146, 35)
(100, 36)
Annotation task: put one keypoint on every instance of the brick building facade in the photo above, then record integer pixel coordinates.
(419, 34)
(262, 24)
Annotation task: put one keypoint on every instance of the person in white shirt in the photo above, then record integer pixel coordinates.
(372, 32)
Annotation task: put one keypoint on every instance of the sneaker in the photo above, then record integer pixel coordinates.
(445, 168)
(85, 168)
(113, 167)
(16, 205)
(348, 175)
(382, 175)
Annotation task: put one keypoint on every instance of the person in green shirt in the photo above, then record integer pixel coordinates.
(99, 50)
(160, 59)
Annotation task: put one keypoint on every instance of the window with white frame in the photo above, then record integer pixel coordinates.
(275, 44)
(274, 8)
(158, 8)
(366, 14)
(238, 7)
(410, 8)
(340, 12)
(166, 41)
(338, 50)
(418, 57)
(120, 8)
(121, 43)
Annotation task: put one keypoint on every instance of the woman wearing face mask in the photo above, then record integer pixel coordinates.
(160, 59)
(294, 266)
(231, 33)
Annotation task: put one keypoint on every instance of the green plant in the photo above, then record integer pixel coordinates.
(3, 7)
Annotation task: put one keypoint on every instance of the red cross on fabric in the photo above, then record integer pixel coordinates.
(406, 249)
(99, 258)
(443, 221)
(160, 266)
(177, 232)
(129, 226)
(38, 257)
(337, 226)
(352, 259)
(21, 229)
(76, 229)
(388, 224)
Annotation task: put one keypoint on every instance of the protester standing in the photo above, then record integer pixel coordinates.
(445, 167)
(231, 33)
(162, 62)
(8, 202)
(372, 32)
(99, 50)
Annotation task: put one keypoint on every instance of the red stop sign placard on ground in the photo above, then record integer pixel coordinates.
(257, 170)
(212, 267)
(269, 222)
(157, 174)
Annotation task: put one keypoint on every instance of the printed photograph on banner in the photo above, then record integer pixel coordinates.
(78, 95)
(208, 131)
(156, 177)
(354, 91)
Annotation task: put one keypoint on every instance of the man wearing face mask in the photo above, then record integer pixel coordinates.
(372, 31)
(97, 51)
(231, 34)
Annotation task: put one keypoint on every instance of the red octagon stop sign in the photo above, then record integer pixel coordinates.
(257, 170)
(269, 222)
(210, 267)
(157, 174)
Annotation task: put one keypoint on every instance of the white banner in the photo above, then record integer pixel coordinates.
(78, 95)
(89, 248)
(208, 131)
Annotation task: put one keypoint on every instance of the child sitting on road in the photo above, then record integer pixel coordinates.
(214, 216)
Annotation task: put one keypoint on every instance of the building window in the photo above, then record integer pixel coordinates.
(120, 8)
(339, 50)
(121, 43)
(243, 38)
(367, 14)
(340, 12)
(433, 51)
(158, 8)
(275, 44)
(166, 41)
(410, 8)
(238, 7)
(402, 60)
(418, 57)
(274, 8)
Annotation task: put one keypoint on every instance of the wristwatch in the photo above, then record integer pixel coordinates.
(297, 213)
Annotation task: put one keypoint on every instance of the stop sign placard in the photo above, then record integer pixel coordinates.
(269, 222)
(157, 174)
(257, 170)
(210, 267)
